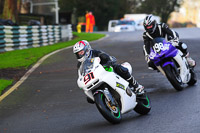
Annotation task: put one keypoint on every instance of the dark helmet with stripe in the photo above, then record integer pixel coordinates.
(150, 24)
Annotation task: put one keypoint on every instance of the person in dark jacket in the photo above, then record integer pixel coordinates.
(153, 30)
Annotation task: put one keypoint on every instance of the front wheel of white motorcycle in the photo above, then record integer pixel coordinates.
(110, 112)
(173, 77)
(143, 104)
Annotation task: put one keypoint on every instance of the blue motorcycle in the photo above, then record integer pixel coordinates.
(171, 63)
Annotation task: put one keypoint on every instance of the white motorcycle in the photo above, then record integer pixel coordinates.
(110, 92)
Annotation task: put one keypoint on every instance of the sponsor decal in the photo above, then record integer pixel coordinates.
(120, 85)
(92, 60)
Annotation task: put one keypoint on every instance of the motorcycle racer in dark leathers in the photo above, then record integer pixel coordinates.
(153, 30)
(83, 50)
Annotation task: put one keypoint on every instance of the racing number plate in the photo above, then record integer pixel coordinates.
(88, 77)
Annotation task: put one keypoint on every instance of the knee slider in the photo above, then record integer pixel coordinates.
(183, 46)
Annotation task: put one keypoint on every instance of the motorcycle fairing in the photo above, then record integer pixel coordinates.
(169, 51)
(160, 59)
(99, 76)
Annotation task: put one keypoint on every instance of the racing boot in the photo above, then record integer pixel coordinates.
(135, 86)
(190, 61)
(183, 48)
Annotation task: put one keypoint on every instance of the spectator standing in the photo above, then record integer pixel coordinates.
(87, 23)
(92, 22)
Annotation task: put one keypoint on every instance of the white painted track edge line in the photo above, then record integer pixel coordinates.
(26, 75)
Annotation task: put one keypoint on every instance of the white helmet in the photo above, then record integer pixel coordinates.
(150, 24)
(82, 50)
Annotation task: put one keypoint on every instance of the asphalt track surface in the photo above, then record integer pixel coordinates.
(49, 101)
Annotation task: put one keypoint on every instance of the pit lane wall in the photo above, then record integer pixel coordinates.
(23, 37)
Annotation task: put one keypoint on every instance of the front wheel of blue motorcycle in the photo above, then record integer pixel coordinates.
(110, 112)
(193, 78)
(173, 77)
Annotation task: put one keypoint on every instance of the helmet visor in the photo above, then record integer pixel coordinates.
(149, 27)
(80, 54)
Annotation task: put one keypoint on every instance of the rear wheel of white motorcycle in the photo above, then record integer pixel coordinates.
(143, 104)
(173, 77)
(193, 79)
(110, 112)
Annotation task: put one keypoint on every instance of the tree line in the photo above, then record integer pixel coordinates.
(105, 10)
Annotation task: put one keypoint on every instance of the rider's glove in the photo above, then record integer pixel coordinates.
(111, 62)
(147, 58)
(108, 63)
(175, 41)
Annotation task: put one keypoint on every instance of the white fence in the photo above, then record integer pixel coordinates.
(22, 37)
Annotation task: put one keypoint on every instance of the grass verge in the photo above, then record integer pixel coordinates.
(4, 83)
(26, 57)
(23, 59)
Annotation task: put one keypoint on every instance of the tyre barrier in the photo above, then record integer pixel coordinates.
(23, 37)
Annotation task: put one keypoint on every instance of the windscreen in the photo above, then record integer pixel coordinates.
(158, 40)
(86, 66)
